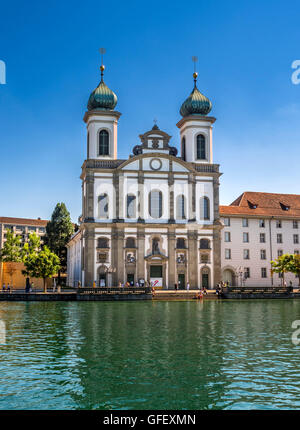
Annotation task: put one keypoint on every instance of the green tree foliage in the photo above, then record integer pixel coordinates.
(11, 252)
(294, 265)
(43, 264)
(32, 247)
(282, 265)
(58, 233)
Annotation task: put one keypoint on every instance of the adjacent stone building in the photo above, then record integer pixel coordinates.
(258, 228)
(153, 217)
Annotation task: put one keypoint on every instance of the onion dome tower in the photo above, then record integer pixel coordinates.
(102, 121)
(102, 98)
(196, 127)
(196, 103)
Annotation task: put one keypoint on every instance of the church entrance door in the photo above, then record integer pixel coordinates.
(130, 279)
(156, 277)
(181, 281)
(205, 283)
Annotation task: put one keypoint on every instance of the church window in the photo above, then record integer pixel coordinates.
(103, 143)
(131, 206)
(102, 242)
(88, 145)
(204, 244)
(130, 242)
(180, 206)
(201, 147)
(180, 243)
(103, 206)
(155, 204)
(183, 154)
(204, 208)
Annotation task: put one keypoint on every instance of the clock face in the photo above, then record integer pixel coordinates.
(155, 164)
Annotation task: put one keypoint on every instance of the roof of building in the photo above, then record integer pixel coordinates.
(253, 203)
(24, 221)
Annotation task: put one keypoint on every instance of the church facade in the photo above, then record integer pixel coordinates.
(154, 217)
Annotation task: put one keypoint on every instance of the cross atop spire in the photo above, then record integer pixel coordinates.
(195, 74)
(102, 67)
(155, 127)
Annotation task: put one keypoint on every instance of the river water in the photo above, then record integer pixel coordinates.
(149, 355)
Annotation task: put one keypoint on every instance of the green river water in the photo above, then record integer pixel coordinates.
(150, 355)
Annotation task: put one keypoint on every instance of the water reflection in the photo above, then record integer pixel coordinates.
(160, 355)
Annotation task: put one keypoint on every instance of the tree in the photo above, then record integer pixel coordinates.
(43, 264)
(282, 265)
(30, 248)
(58, 233)
(294, 265)
(11, 253)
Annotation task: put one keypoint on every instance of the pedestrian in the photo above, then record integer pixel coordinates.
(188, 286)
(137, 285)
(176, 287)
(8, 288)
(3, 287)
(31, 287)
(94, 284)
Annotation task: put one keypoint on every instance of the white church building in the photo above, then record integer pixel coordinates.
(155, 217)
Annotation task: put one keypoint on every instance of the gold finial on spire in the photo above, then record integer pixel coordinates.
(195, 74)
(102, 67)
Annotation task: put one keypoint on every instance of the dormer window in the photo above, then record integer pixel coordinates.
(252, 205)
(284, 207)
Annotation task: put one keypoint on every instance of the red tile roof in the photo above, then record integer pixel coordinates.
(23, 221)
(264, 204)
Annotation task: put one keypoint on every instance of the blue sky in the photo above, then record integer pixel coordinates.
(245, 52)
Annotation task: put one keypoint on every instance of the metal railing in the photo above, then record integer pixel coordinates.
(257, 290)
(114, 290)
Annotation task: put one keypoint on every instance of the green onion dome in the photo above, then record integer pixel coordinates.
(196, 103)
(102, 97)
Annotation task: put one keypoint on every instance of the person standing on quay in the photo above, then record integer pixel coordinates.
(188, 286)
(3, 287)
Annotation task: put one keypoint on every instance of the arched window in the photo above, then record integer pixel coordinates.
(180, 207)
(103, 205)
(201, 147)
(131, 206)
(102, 242)
(204, 244)
(103, 143)
(155, 204)
(183, 155)
(130, 242)
(180, 244)
(204, 208)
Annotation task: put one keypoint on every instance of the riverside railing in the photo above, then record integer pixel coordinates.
(114, 290)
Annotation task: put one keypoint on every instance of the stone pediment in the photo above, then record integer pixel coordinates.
(156, 257)
(158, 162)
